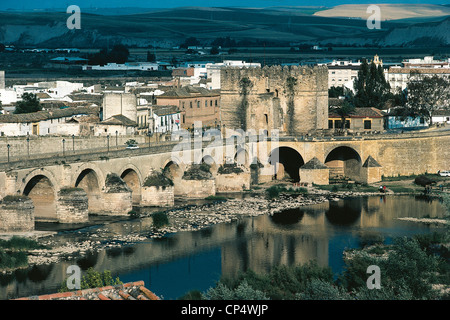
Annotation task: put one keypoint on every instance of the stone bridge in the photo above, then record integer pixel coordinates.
(67, 189)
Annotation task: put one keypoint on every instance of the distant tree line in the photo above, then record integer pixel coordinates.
(118, 54)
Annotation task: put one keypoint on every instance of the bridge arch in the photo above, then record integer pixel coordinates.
(173, 169)
(344, 161)
(242, 157)
(290, 159)
(41, 186)
(133, 178)
(91, 180)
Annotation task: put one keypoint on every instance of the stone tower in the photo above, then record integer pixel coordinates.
(293, 99)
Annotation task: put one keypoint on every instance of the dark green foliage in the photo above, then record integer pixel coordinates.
(29, 103)
(229, 168)
(118, 54)
(160, 219)
(95, 279)
(19, 243)
(158, 179)
(371, 87)
(281, 282)
(408, 269)
(13, 252)
(291, 82)
(14, 198)
(425, 95)
(274, 191)
(11, 260)
(198, 172)
(245, 85)
(335, 92)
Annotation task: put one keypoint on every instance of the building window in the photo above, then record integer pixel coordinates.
(215, 103)
(367, 124)
(330, 124)
(266, 118)
(198, 104)
(210, 103)
(190, 104)
(206, 103)
(184, 119)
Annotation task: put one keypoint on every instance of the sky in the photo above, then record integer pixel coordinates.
(42, 4)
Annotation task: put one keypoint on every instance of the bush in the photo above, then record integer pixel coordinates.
(160, 219)
(318, 289)
(94, 279)
(243, 292)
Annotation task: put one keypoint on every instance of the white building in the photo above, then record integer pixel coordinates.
(55, 122)
(139, 66)
(213, 71)
(342, 73)
(166, 119)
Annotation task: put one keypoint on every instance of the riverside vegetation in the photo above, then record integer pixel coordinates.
(412, 268)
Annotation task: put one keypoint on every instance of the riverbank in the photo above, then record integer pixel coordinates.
(183, 217)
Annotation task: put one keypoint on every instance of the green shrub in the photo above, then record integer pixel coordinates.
(160, 219)
(94, 279)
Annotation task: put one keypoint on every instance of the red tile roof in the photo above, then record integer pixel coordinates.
(128, 291)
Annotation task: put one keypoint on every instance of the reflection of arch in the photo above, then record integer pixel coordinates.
(287, 217)
(41, 188)
(290, 159)
(90, 182)
(133, 179)
(344, 213)
(344, 161)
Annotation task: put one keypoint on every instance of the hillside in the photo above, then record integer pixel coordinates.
(170, 27)
(388, 11)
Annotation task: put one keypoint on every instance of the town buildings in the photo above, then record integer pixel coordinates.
(194, 104)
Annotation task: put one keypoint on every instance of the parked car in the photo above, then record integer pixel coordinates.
(444, 173)
(132, 146)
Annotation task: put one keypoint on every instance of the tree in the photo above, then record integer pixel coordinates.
(371, 87)
(29, 103)
(214, 51)
(191, 41)
(344, 111)
(425, 95)
(335, 92)
(118, 54)
(151, 57)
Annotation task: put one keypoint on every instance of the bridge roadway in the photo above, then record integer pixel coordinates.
(41, 178)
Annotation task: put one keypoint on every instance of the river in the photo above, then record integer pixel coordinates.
(176, 263)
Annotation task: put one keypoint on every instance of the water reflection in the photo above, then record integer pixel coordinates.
(179, 262)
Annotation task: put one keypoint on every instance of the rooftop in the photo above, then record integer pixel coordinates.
(48, 114)
(188, 92)
(360, 113)
(128, 291)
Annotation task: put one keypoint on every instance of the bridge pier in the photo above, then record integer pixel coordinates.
(16, 214)
(72, 206)
(117, 198)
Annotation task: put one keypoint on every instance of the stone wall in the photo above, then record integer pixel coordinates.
(72, 206)
(117, 198)
(232, 182)
(157, 196)
(196, 189)
(268, 96)
(16, 214)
